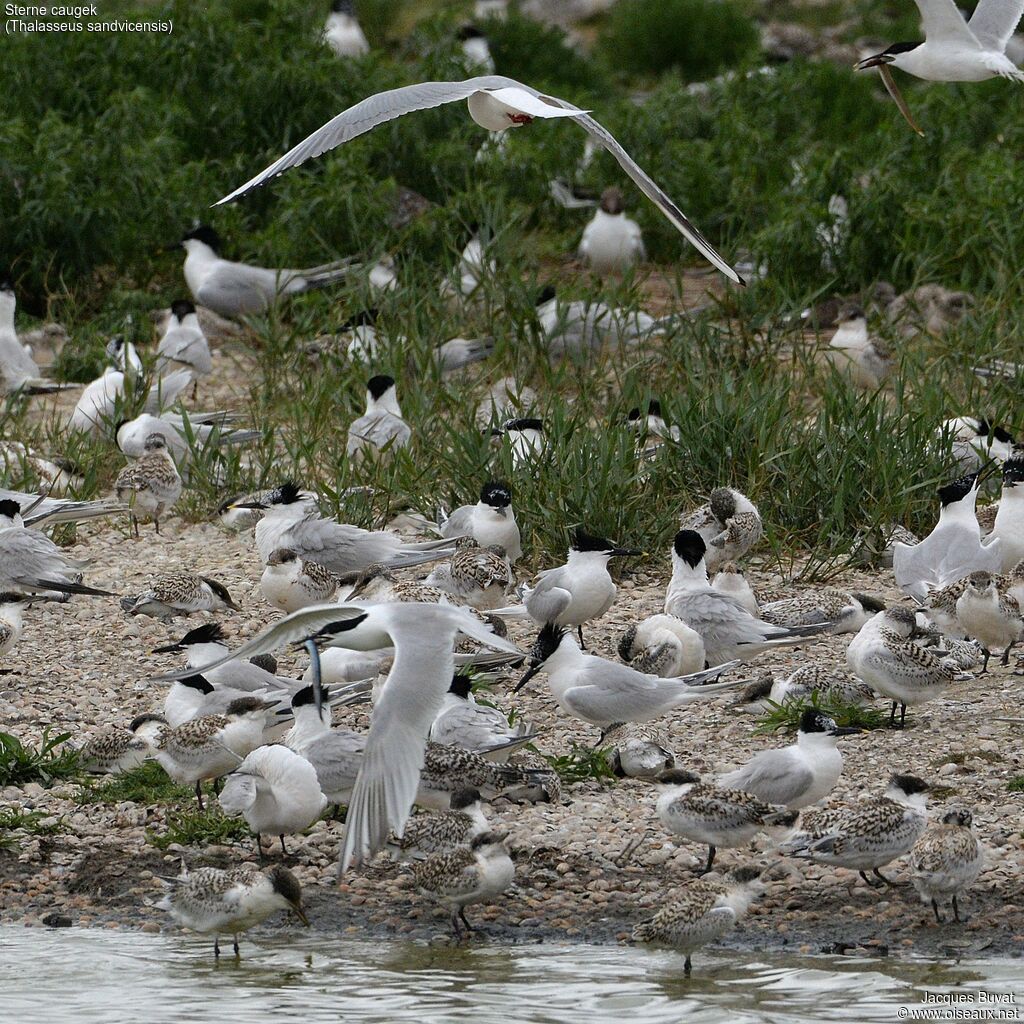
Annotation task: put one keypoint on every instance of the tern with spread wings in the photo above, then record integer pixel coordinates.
(495, 103)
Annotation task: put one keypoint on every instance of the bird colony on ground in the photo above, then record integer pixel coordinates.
(415, 617)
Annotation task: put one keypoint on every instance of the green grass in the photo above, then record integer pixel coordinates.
(29, 823)
(195, 828)
(50, 762)
(582, 764)
(148, 784)
(1016, 785)
(786, 716)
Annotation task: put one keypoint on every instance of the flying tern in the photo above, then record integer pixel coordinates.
(495, 103)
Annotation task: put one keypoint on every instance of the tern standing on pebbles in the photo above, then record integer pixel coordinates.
(705, 813)
(151, 484)
(864, 836)
(606, 693)
(215, 902)
(989, 616)
(580, 590)
(946, 860)
(884, 656)
(470, 874)
(276, 791)
(495, 103)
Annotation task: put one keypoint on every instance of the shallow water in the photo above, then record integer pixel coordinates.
(101, 977)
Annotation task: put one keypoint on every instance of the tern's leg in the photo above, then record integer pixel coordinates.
(888, 881)
(903, 716)
(892, 716)
(579, 629)
(988, 654)
(935, 907)
(462, 915)
(199, 794)
(687, 966)
(235, 945)
(284, 849)
(867, 881)
(711, 860)
(455, 926)
(216, 947)
(956, 910)
(1005, 659)
(217, 783)
(156, 524)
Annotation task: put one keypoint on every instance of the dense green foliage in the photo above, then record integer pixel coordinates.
(697, 38)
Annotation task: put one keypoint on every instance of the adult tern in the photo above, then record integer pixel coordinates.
(954, 50)
(423, 636)
(495, 103)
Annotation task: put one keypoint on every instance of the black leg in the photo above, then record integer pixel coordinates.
(867, 881)
(216, 947)
(687, 967)
(935, 907)
(462, 915)
(579, 629)
(283, 848)
(156, 523)
(1005, 659)
(259, 846)
(988, 654)
(956, 909)
(892, 716)
(216, 786)
(711, 860)
(235, 945)
(455, 926)
(199, 795)
(878, 874)
(903, 716)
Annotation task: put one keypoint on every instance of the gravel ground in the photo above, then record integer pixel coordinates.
(84, 665)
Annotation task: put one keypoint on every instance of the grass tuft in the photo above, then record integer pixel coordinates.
(195, 828)
(148, 784)
(582, 764)
(49, 762)
(786, 716)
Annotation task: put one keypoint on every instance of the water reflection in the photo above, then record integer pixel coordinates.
(99, 977)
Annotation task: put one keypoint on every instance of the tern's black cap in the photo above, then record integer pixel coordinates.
(204, 233)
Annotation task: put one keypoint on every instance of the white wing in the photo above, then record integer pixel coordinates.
(389, 777)
(297, 626)
(943, 22)
(656, 196)
(366, 115)
(993, 22)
